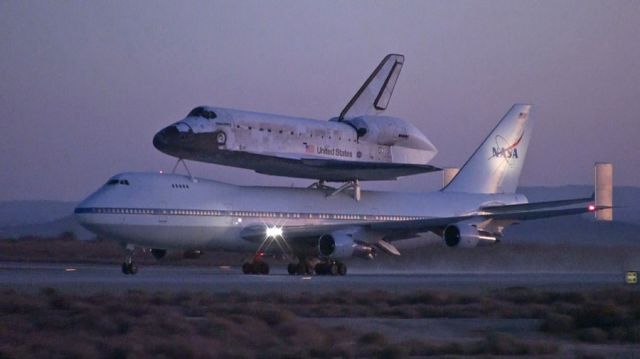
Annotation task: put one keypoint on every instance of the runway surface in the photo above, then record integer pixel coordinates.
(91, 278)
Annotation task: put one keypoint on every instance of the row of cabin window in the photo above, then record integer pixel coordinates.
(125, 210)
(291, 132)
(255, 214)
(183, 212)
(175, 185)
(322, 216)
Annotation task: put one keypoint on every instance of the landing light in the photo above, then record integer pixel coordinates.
(274, 232)
(591, 208)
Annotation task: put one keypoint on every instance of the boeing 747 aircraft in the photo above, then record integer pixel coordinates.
(167, 211)
(359, 145)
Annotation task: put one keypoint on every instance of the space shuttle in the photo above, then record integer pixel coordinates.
(361, 144)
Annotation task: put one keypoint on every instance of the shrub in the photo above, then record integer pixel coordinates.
(505, 344)
(373, 339)
(275, 316)
(557, 323)
(174, 349)
(600, 315)
(592, 335)
(393, 351)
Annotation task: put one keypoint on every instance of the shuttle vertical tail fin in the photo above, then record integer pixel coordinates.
(374, 95)
(496, 165)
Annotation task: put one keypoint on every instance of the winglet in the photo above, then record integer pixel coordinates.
(374, 95)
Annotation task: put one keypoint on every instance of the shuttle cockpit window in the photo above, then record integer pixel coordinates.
(202, 112)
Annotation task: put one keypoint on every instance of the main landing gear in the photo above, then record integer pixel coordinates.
(331, 267)
(256, 266)
(300, 268)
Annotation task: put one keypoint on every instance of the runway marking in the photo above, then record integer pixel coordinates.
(70, 269)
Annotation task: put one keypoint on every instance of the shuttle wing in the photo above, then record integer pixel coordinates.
(335, 170)
(374, 95)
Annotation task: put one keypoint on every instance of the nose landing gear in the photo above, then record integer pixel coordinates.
(128, 267)
(256, 266)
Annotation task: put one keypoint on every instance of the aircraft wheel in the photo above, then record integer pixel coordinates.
(291, 268)
(333, 268)
(129, 268)
(342, 269)
(247, 268)
(321, 268)
(262, 268)
(301, 268)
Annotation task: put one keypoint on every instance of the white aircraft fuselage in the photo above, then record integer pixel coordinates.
(174, 211)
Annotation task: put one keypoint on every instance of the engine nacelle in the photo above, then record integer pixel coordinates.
(341, 245)
(467, 236)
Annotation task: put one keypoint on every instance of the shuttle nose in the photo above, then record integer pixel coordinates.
(165, 137)
(170, 137)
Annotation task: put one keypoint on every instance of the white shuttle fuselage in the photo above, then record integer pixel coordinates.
(360, 144)
(299, 147)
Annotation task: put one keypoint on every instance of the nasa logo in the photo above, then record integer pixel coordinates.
(505, 153)
(503, 150)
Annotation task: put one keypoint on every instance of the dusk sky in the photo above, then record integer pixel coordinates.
(85, 85)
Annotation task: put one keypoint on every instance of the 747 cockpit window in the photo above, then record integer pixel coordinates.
(113, 182)
(202, 112)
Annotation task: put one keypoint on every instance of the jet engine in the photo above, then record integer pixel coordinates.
(341, 245)
(467, 236)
